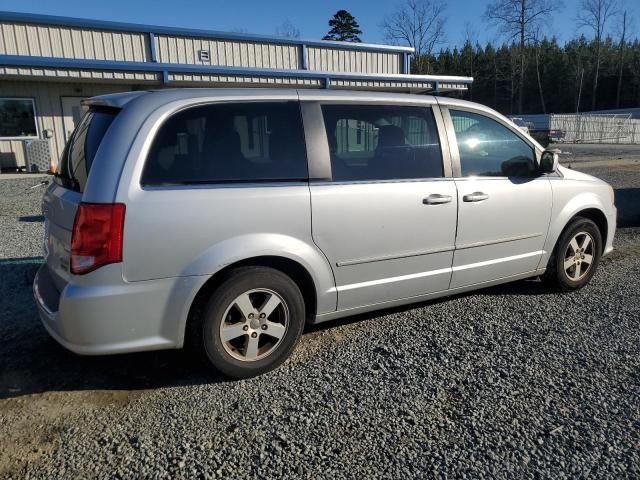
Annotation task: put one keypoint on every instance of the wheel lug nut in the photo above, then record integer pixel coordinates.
(245, 328)
(262, 315)
(251, 315)
(264, 327)
(254, 335)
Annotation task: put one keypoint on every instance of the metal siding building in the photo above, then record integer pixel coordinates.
(49, 64)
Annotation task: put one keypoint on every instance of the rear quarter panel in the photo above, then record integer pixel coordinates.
(198, 230)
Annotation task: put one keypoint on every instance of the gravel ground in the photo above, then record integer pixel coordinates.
(597, 153)
(509, 382)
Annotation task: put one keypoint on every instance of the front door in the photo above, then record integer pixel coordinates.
(504, 205)
(386, 219)
(72, 111)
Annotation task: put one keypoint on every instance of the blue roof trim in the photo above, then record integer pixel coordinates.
(187, 32)
(51, 62)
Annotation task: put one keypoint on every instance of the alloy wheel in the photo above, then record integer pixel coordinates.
(254, 324)
(579, 256)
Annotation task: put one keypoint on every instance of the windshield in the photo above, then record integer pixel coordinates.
(82, 146)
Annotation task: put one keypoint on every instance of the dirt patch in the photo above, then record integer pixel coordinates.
(32, 426)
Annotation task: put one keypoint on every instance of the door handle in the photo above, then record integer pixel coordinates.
(436, 199)
(475, 197)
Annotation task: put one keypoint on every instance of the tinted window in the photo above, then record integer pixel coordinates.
(370, 142)
(81, 148)
(229, 143)
(488, 148)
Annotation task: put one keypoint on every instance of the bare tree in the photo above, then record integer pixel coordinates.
(519, 20)
(595, 15)
(470, 36)
(623, 27)
(536, 41)
(287, 29)
(418, 24)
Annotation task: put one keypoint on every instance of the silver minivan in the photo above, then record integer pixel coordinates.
(227, 219)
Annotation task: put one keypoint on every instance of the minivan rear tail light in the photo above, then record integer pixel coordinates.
(96, 239)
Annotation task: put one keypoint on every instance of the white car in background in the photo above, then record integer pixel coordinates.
(521, 124)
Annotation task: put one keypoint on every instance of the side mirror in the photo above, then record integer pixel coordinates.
(549, 161)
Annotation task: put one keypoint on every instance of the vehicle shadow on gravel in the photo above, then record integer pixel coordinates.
(519, 287)
(628, 204)
(32, 362)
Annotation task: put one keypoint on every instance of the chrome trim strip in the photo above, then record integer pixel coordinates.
(375, 182)
(413, 276)
(359, 261)
(400, 278)
(497, 260)
(500, 240)
(420, 298)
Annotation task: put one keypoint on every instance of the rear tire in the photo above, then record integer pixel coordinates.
(251, 323)
(575, 257)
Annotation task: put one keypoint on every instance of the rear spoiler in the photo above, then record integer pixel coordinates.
(114, 100)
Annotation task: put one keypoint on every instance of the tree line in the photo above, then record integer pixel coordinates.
(530, 71)
(557, 78)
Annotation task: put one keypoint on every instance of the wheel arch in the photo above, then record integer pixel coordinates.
(598, 217)
(293, 269)
(296, 257)
(592, 211)
(571, 203)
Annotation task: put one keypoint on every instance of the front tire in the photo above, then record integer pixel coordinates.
(251, 323)
(576, 256)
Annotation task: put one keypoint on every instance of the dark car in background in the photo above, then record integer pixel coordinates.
(545, 136)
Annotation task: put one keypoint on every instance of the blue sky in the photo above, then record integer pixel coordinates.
(263, 16)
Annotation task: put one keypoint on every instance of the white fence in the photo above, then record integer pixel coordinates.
(591, 127)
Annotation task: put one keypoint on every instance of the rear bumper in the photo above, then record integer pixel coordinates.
(119, 318)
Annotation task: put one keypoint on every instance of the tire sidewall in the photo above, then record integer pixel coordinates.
(239, 282)
(578, 225)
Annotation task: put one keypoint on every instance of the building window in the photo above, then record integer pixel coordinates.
(18, 118)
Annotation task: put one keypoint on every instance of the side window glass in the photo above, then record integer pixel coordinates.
(489, 149)
(244, 142)
(377, 142)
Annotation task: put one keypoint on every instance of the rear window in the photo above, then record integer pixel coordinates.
(231, 142)
(81, 148)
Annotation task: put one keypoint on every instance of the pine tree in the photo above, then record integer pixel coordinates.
(344, 28)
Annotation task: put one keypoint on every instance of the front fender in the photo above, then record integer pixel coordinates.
(565, 207)
(244, 247)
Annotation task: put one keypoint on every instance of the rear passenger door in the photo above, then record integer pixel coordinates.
(383, 202)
